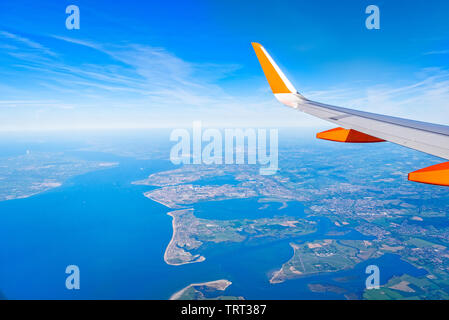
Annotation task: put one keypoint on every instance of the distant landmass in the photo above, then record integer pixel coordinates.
(32, 173)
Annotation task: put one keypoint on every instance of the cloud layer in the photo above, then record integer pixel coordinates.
(73, 83)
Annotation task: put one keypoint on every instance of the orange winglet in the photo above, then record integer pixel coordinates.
(347, 135)
(274, 77)
(437, 174)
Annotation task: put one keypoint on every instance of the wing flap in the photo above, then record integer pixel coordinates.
(347, 135)
(437, 174)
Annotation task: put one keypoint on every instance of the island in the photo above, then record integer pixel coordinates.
(324, 256)
(203, 291)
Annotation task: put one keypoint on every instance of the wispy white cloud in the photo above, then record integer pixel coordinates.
(79, 42)
(437, 52)
(137, 80)
(425, 98)
(27, 42)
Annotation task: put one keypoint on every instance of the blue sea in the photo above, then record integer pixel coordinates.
(102, 223)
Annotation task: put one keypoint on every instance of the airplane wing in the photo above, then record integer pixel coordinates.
(365, 127)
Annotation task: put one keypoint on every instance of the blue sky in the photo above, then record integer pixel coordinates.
(138, 64)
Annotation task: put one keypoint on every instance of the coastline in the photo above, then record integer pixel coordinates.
(171, 245)
(158, 201)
